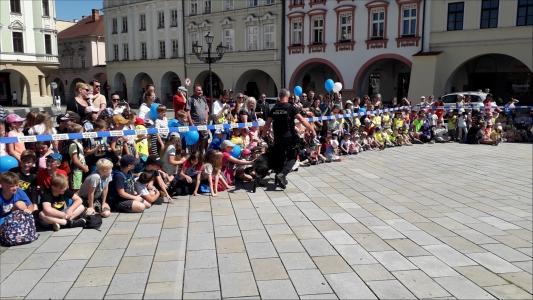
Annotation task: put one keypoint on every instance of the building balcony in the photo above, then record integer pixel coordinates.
(407, 41)
(376, 44)
(317, 48)
(344, 46)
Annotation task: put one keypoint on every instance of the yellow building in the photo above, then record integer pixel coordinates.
(477, 44)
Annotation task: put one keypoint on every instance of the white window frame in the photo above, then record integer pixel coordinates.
(252, 3)
(160, 19)
(193, 7)
(193, 38)
(144, 52)
(377, 11)
(142, 22)
(298, 32)
(82, 61)
(174, 18)
(124, 24)
(317, 25)
(162, 49)
(126, 51)
(228, 4)
(347, 26)
(175, 48)
(252, 38)
(229, 39)
(207, 7)
(410, 19)
(71, 62)
(270, 2)
(115, 52)
(269, 36)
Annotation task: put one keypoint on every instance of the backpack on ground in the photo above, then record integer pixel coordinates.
(65, 162)
(93, 221)
(19, 229)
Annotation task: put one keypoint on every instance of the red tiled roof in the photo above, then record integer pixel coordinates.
(84, 27)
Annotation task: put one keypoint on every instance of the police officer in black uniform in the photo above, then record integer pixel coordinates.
(286, 138)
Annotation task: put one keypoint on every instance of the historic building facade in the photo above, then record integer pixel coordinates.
(82, 56)
(28, 51)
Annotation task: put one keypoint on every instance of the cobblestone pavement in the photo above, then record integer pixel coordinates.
(429, 221)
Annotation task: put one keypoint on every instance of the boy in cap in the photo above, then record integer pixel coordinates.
(220, 137)
(44, 176)
(121, 194)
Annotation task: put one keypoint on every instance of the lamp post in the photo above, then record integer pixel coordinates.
(221, 50)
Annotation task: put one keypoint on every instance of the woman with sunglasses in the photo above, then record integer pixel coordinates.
(78, 104)
(148, 100)
(237, 108)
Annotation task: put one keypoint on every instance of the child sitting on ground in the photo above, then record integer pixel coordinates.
(148, 193)
(239, 171)
(211, 172)
(12, 197)
(60, 206)
(94, 189)
(44, 176)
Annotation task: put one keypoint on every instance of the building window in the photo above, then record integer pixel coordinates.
(297, 32)
(253, 38)
(408, 21)
(142, 25)
(378, 24)
(455, 16)
(228, 4)
(115, 52)
(46, 8)
(126, 51)
(48, 44)
(124, 24)
(252, 3)
(270, 36)
(162, 53)
(82, 61)
(115, 25)
(193, 37)
(345, 26)
(18, 42)
(175, 48)
(228, 40)
(207, 6)
(270, 2)
(194, 7)
(173, 18)
(489, 13)
(71, 62)
(161, 19)
(297, 2)
(525, 13)
(144, 54)
(15, 6)
(317, 30)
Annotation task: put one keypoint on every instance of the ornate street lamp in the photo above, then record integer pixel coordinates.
(221, 50)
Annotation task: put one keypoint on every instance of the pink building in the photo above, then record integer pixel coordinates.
(81, 56)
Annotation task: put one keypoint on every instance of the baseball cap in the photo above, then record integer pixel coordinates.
(246, 151)
(227, 143)
(422, 97)
(61, 118)
(129, 159)
(55, 156)
(349, 102)
(12, 118)
(107, 113)
(73, 116)
(182, 88)
(230, 90)
(154, 160)
(120, 119)
(378, 128)
(219, 131)
(356, 136)
(139, 121)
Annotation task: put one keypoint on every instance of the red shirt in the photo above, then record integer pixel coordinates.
(178, 102)
(43, 178)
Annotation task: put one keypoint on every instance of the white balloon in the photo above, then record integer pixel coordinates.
(337, 87)
(334, 143)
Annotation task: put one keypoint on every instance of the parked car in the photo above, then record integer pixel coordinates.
(477, 98)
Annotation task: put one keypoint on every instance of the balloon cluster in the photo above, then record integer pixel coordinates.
(333, 86)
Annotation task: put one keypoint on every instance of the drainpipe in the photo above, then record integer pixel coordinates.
(283, 45)
(184, 39)
(423, 25)
(97, 51)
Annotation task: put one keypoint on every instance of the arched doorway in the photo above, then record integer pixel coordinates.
(388, 75)
(102, 78)
(313, 73)
(11, 81)
(255, 82)
(504, 75)
(119, 86)
(203, 79)
(72, 87)
(60, 90)
(140, 82)
(169, 85)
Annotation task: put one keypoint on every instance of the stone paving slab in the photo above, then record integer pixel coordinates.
(383, 224)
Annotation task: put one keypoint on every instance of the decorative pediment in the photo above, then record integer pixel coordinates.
(227, 22)
(17, 25)
(82, 48)
(192, 27)
(268, 16)
(205, 25)
(251, 19)
(67, 50)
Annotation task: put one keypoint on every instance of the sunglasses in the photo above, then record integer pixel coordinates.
(87, 90)
(96, 86)
(240, 97)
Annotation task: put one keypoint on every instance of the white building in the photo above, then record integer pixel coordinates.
(366, 45)
(144, 45)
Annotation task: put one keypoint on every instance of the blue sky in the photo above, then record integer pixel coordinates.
(68, 10)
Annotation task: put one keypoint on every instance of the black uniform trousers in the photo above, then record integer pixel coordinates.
(284, 147)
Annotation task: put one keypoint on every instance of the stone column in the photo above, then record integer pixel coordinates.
(42, 86)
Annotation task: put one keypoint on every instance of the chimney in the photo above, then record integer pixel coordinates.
(75, 20)
(96, 15)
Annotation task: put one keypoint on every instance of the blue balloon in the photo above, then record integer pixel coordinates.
(173, 123)
(298, 90)
(236, 152)
(153, 110)
(362, 110)
(191, 137)
(329, 85)
(7, 162)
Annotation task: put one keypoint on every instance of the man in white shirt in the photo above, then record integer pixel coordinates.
(14, 98)
(221, 109)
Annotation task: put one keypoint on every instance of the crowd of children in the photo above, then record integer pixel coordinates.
(61, 182)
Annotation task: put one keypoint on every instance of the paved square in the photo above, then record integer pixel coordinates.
(429, 221)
